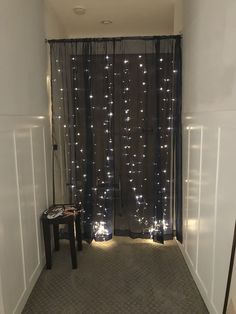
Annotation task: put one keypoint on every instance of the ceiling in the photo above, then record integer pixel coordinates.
(129, 17)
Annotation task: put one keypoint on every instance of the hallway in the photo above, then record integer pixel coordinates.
(118, 276)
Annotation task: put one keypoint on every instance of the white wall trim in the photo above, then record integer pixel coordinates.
(196, 279)
(45, 167)
(35, 205)
(215, 213)
(20, 219)
(2, 310)
(22, 301)
(187, 191)
(199, 198)
(31, 167)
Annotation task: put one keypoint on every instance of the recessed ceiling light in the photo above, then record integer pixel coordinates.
(79, 10)
(106, 22)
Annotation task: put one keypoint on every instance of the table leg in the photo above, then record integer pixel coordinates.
(47, 244)
(78, 232)
(56, 236)
(72, 245)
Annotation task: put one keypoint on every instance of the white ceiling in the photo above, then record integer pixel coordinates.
(129, 17)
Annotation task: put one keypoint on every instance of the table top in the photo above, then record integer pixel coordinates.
(69, 213)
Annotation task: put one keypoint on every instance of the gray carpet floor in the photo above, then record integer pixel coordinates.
(118, 276)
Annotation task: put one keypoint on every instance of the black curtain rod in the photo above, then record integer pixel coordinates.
(112, 39)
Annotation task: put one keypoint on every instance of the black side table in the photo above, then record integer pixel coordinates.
(69, 219)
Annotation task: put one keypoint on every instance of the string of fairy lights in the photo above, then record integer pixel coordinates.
(134, 148)
(102, 225)
(134, 161)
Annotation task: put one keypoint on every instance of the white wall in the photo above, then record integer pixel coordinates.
(54, 29)
(209, 146)
(25, 174)
(178, 17)
(22, 61)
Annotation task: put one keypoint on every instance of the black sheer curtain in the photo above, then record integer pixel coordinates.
(117, 134)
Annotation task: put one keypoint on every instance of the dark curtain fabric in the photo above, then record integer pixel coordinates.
(117, 134)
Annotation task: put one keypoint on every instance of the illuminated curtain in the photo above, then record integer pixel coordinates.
(117, 134)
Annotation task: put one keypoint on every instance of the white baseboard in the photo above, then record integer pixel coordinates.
(200, 287)
(20, 305)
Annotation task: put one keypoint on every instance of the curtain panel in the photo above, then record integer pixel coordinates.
(116, 117)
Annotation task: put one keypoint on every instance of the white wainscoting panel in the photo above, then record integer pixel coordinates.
(12, 264)
(186, 154)
(206, 219)
(193, 190)
(209, 210)
(226, 212)
(27, 200)
(1, 299)
(40, 179)
(25, 188)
